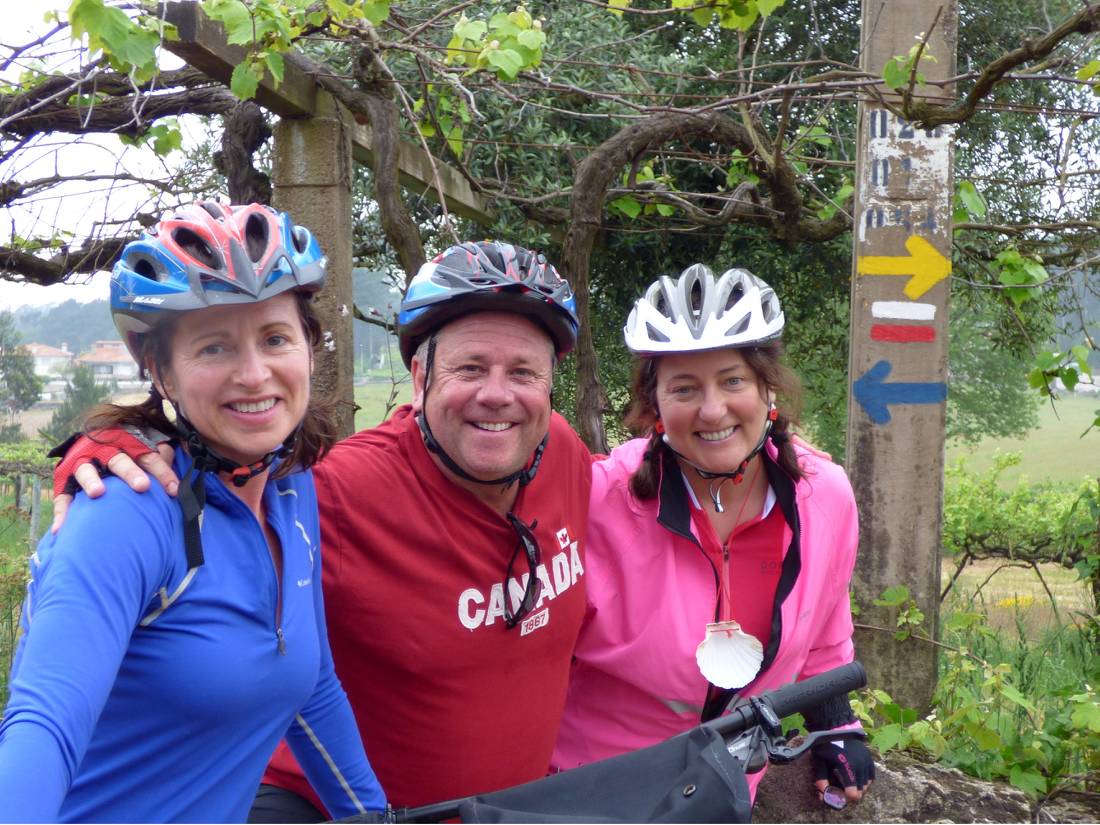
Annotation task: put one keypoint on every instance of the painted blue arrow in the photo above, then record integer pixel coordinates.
(874, 394)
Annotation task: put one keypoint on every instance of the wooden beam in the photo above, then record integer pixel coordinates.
(202, 43)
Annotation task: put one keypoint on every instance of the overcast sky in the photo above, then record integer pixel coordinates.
(75, 210)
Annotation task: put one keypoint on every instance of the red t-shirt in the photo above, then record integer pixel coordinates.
(755, 559)
(449, 701)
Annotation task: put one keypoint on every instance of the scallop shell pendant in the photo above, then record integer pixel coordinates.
(728, 656)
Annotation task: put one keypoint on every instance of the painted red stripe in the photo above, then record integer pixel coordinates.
(902, 333)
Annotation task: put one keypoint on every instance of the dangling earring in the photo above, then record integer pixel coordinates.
(659, 427)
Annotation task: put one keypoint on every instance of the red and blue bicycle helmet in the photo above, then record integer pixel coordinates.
(207, 254)
(488, 276)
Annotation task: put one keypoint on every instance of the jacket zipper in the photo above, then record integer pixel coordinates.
(279, 636)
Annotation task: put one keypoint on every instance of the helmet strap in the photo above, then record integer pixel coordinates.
(524, 476)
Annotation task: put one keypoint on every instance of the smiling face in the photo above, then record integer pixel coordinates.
(240, 374)
(488, 399)
(712, 405)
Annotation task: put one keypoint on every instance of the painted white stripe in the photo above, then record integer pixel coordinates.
(329, 761)
(904, 310)
(166, 601)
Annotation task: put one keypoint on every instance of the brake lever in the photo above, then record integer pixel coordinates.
(781, 753)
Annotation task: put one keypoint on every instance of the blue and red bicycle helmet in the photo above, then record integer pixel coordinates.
(488, 276)
(206, 254)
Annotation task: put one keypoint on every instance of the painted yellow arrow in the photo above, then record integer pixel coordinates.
(924, 262)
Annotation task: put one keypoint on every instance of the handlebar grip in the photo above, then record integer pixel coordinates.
(800, 696)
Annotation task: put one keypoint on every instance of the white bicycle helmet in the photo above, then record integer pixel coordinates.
(698, 312)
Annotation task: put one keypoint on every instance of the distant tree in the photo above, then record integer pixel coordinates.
(82, 393)
(75, 324)
(987, 392)
(375, 296)
(19, 386)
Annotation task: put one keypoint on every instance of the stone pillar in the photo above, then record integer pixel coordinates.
(312, 175)
(898, 349)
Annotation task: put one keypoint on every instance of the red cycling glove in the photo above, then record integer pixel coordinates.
(97, 448)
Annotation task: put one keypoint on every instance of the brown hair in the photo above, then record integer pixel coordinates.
(765, 361)
(318, 431)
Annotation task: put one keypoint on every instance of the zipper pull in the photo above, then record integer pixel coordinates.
(282, 641)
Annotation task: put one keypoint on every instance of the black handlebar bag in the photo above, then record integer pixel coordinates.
(689, 778)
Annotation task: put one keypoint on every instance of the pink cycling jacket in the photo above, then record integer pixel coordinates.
(652, 590)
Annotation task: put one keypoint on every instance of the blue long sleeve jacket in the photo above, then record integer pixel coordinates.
(143, 691)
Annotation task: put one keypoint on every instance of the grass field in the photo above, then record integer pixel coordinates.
(378, 398)
(1013, 596)
(1055, 451)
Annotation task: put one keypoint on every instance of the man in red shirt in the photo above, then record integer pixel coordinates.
(453, 541)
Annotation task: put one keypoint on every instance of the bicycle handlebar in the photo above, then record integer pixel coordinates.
(793, 698)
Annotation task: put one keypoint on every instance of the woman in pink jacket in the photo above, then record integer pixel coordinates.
(719, 549)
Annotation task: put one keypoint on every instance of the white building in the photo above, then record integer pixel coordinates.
(49, 362)
(110, 362)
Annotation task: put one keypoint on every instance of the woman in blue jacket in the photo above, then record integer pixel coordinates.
(168, 647)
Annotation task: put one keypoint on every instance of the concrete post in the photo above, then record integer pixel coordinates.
(898, 350)
(311, 177)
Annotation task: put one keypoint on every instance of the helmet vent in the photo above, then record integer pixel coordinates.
(191, 243)
(301, 239)
(661, 305)
(255, 236)
(214, 210)
(735, 295)
(740, 326)
(655, 334)
(145, 268)
(696, 298)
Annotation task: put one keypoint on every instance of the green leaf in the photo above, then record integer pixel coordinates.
(471, 29)
(502, 26)
(1069, 377)
(627, 206)
(766, 7)
(533, 39)
(234, 16)
(972, 199)
(739, 17)
(274, 62)
(507, 62)
(702, 16)
(375, 11)
(962, 621)
(244, 81)
(109, 30)
(895, 73)
(616, 6)
(665, 210)
(1029, 781)
(1087, 715)
(426, 129)
(1047, 360)
(983, 737)
(1088, 70)
(1014, 695)
(893, 596)
(888, 737)
(454, 139)
(166, 139)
